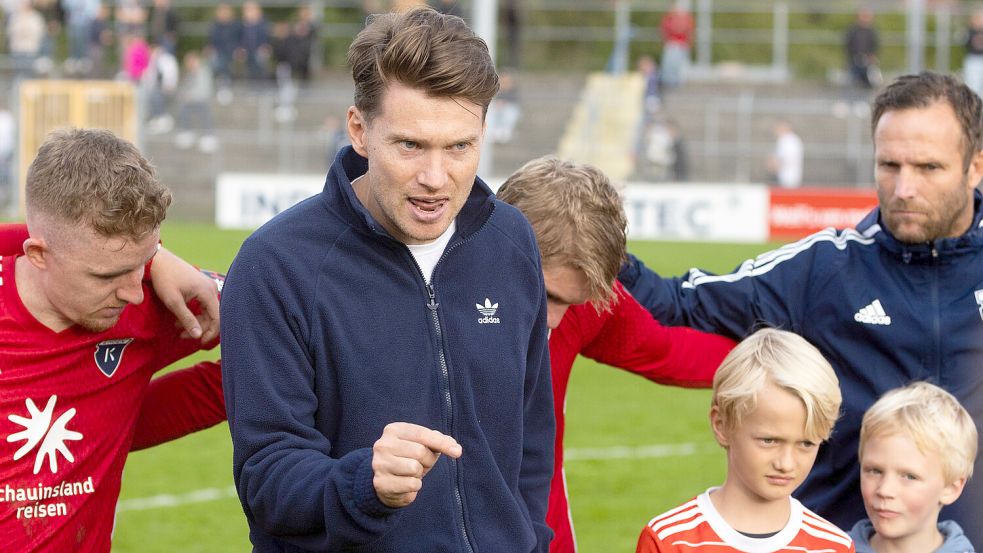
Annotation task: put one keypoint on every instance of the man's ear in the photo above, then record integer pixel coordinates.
(36, 251)
(357, 126)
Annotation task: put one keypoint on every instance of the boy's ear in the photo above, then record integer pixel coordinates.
(718, 426)
(952, 491)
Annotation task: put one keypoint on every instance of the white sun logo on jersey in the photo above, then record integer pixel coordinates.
(39, 427)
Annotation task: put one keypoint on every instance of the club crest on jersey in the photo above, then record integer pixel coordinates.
(109, 354)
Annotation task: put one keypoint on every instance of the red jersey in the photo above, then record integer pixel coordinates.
(629, 338)
(71, 402)
(697, 526)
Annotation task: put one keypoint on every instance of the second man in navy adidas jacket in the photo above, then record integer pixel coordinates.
(898, 299)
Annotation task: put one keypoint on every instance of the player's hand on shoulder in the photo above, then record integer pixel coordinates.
(176, 282)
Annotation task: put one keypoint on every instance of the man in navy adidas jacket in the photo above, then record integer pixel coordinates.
(386, 366)
(898, 299)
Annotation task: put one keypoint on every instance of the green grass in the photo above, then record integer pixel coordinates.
(611, 499)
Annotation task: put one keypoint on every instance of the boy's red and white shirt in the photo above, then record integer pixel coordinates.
(69, 405)
(697, 526)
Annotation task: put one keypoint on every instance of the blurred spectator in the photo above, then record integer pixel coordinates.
(370, 7)
(680, 160)
(973, 62)
(785, 164)
(159, 84)
(305, 31)
(53, 16)
(162, 25)
(655, 159)
(224, 36)
(136, 57)
(131, 18)
(677, 38)
(862, 44)
(334, 136)
(7, 148)
(450, 7)
(194, 105)
(652, 93)
(79, 16)
(284, 48)
(100, 41)
(25, 33)
(255, 40)
(504, 111)
(512, 23)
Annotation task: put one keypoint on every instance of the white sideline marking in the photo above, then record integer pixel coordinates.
(170, 500)
(164, 501)
(638, 452)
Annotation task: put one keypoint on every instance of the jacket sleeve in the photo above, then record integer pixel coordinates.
(289, 485)
(539, 430)
(179, 403)
(769, 290)
(631, 339)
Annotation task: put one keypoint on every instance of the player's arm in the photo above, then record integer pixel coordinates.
(631, 339)
(12, 237)
(179, 403)
(770, 290)
(177, 283)
(287, 482)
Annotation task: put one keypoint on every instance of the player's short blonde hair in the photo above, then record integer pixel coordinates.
(578, 217)
(786, 360)
(94, 178)
(933, 419)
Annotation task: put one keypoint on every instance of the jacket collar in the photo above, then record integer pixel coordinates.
(339, 194)
(969, 241)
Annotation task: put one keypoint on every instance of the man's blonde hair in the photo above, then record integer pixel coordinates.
(786, 360)
(422, 49)
(933, 419)
(93, 178)
(578, 217)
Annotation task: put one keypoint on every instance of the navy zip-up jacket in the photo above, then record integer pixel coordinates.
(330, 332)
(883, 313)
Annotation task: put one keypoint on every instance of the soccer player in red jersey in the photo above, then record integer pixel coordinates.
(579, 221)
(79, 345)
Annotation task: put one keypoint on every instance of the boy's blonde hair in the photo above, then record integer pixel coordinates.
(933, 419)
(788, 361)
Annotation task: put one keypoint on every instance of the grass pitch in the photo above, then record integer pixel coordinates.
(634, 448)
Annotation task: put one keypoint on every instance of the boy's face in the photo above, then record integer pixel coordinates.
(903, 489)
(768, 453)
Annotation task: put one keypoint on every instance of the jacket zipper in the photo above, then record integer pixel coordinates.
(937, 315)
(445, 379)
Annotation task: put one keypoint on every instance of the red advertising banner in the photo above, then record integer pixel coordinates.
(793, 214)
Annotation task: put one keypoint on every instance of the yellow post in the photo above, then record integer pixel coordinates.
(51, 104)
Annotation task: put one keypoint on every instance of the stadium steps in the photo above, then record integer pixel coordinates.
(252, 141)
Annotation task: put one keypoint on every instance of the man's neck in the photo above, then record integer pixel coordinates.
(28, 280)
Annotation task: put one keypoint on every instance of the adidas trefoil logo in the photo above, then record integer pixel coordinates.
(872, 314)
(488, 310)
